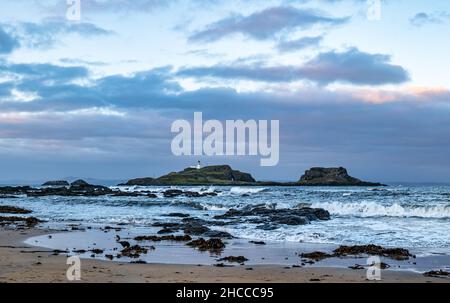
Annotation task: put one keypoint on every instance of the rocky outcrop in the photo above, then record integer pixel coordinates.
(56, 183)
(217, 175)
(27, 221)
(399, 254)
(270, 218)
(141, 182)
(335, 176)
(6, 209)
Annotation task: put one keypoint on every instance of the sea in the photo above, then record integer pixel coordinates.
(408, 216)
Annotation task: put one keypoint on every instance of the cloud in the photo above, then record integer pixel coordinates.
(7, 42)
(294, 45)
(120, 125)
(350, 66)
(264, 24)
(422, 18)
(47, 33)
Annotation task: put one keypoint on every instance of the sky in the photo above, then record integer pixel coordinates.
(96, 97)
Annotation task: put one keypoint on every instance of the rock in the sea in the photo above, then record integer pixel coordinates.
(56, 183)
(335, 176)
(218, 234)
(80, 183)
(233, 259)
(257, 242)
(269, 217)
(6, 209)
(170, 193)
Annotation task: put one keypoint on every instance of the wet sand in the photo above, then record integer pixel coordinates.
(24, 263)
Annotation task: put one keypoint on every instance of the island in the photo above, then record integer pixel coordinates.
(217, 175)
(225, 175)
(334, 176)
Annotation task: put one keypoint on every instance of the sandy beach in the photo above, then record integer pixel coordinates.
(23, 263)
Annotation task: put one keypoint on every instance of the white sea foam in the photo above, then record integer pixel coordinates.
(246, 190)
(373, 209)
(214, 207)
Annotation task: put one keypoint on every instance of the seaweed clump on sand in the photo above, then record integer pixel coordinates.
(373, 250)
(399, 254)
(214, 245)
(134, 251)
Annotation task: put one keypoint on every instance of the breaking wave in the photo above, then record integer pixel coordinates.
(373, 209)
(246, 190)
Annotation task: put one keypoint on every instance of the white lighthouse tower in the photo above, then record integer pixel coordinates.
(198, 165)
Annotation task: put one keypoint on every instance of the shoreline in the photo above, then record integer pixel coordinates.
(20, 262)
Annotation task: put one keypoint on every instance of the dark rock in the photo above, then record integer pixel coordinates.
(184, 238)
(178, 215)
(437, 273)
(14, 190)
(29, 221)
(166, 231)
(134, 251)
(335, 176)
(170, 193)
(110, 257)
(13, 210)
(233, 259)
(317, 255)
(138, 262)
(166, 224)
(150, 195)
(125, 244)
(384, 265)
(97, 251)
(356, 267)
(258, 242)
(267, 226)
(80, 183)
(195, 228)
(269, 217)
(217, 234)
(289, 219)
(56, 183)
(213, 245)
(373, 250)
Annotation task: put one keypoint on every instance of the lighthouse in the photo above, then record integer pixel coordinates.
(198, 165)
